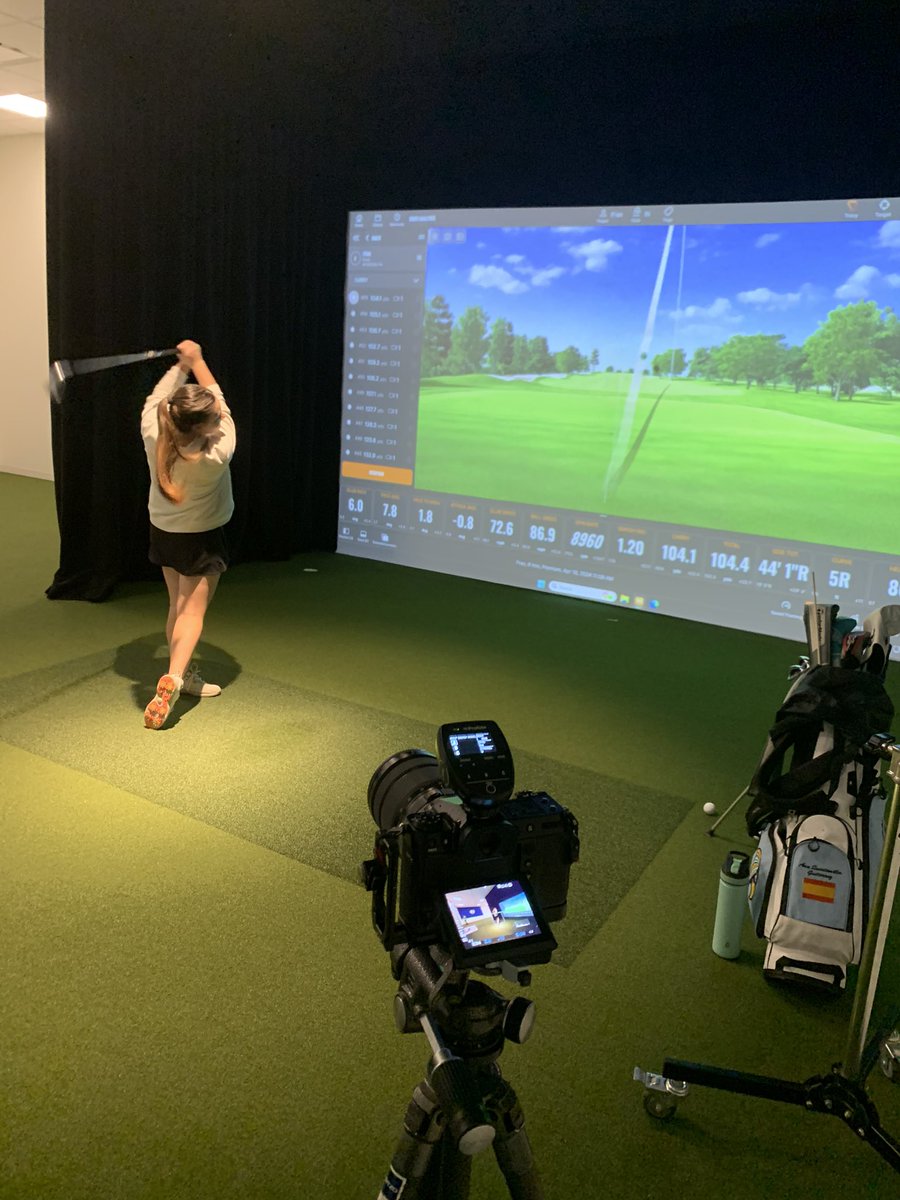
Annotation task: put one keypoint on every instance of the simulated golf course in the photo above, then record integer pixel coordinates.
(756, 460)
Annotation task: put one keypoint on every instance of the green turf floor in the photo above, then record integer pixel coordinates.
(193, 1003)
(279, 771)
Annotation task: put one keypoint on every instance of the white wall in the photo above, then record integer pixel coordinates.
(24, 392)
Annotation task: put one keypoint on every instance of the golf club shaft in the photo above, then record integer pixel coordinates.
(712, 829)
(63, 369)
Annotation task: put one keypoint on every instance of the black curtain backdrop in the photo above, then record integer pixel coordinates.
(201, 165)
(189, 194)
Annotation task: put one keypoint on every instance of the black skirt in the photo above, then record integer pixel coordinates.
(190, 553)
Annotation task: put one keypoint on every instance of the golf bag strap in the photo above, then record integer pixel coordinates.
(806, 788)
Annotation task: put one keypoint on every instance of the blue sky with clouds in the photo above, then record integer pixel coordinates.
(591, 287)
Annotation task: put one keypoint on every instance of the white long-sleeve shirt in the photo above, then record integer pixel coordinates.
(206, 480)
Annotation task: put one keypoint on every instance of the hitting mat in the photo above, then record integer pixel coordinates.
(289, 769)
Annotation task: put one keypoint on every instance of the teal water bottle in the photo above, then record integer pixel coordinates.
(731, 905)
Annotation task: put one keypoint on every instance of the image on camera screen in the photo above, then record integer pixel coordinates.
(492, 913)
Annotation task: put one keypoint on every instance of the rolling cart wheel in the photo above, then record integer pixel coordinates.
(659, 1105)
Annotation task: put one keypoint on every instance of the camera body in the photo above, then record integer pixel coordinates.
(462, 862)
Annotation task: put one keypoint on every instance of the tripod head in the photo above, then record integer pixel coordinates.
(466, 1024)
(475, 1019)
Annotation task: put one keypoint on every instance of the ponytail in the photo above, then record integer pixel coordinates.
(166, 453)
(187, 407)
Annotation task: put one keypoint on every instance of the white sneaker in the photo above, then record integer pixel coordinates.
(194, 684)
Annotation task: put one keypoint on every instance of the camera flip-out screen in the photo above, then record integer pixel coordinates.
(496, 921)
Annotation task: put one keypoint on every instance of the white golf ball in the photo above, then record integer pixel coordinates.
(709, 808)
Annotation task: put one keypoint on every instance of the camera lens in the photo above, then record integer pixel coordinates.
(397, 781)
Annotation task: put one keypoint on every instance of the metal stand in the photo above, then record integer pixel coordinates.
(841, 1093)
(463, 1105)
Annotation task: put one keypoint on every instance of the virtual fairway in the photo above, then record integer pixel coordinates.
(754, 460)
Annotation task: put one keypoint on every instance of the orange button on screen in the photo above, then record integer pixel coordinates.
(353, 470)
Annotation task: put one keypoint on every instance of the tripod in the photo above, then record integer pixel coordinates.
(840, 1093)
(463, 1105)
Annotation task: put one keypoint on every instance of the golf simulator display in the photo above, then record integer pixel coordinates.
(645, 405)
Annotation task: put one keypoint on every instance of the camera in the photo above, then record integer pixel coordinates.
(460, 861)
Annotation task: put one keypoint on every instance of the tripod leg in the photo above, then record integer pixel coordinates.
(511, 1145)
(449, 1172)
(425, 1162)
(413, 1154)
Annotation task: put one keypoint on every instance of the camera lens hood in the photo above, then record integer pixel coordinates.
(397, 781)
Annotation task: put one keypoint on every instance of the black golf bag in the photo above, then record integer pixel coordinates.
(818, 805)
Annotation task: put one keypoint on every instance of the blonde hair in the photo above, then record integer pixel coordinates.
(187, 407)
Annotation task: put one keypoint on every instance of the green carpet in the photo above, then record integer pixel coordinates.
(193, 1005)
(288, 768)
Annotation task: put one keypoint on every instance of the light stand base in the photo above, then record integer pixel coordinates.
(832, 1094)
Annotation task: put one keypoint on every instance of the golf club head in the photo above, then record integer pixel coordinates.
(60, 371)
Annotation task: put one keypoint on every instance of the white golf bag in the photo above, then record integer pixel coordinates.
(817, 808)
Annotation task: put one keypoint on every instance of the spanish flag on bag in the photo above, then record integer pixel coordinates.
(818, 889)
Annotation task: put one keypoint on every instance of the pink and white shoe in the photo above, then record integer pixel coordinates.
(167, 692)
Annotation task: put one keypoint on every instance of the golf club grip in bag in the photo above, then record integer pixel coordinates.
(817, 807)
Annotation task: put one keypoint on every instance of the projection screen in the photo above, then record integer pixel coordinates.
(685, 409)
